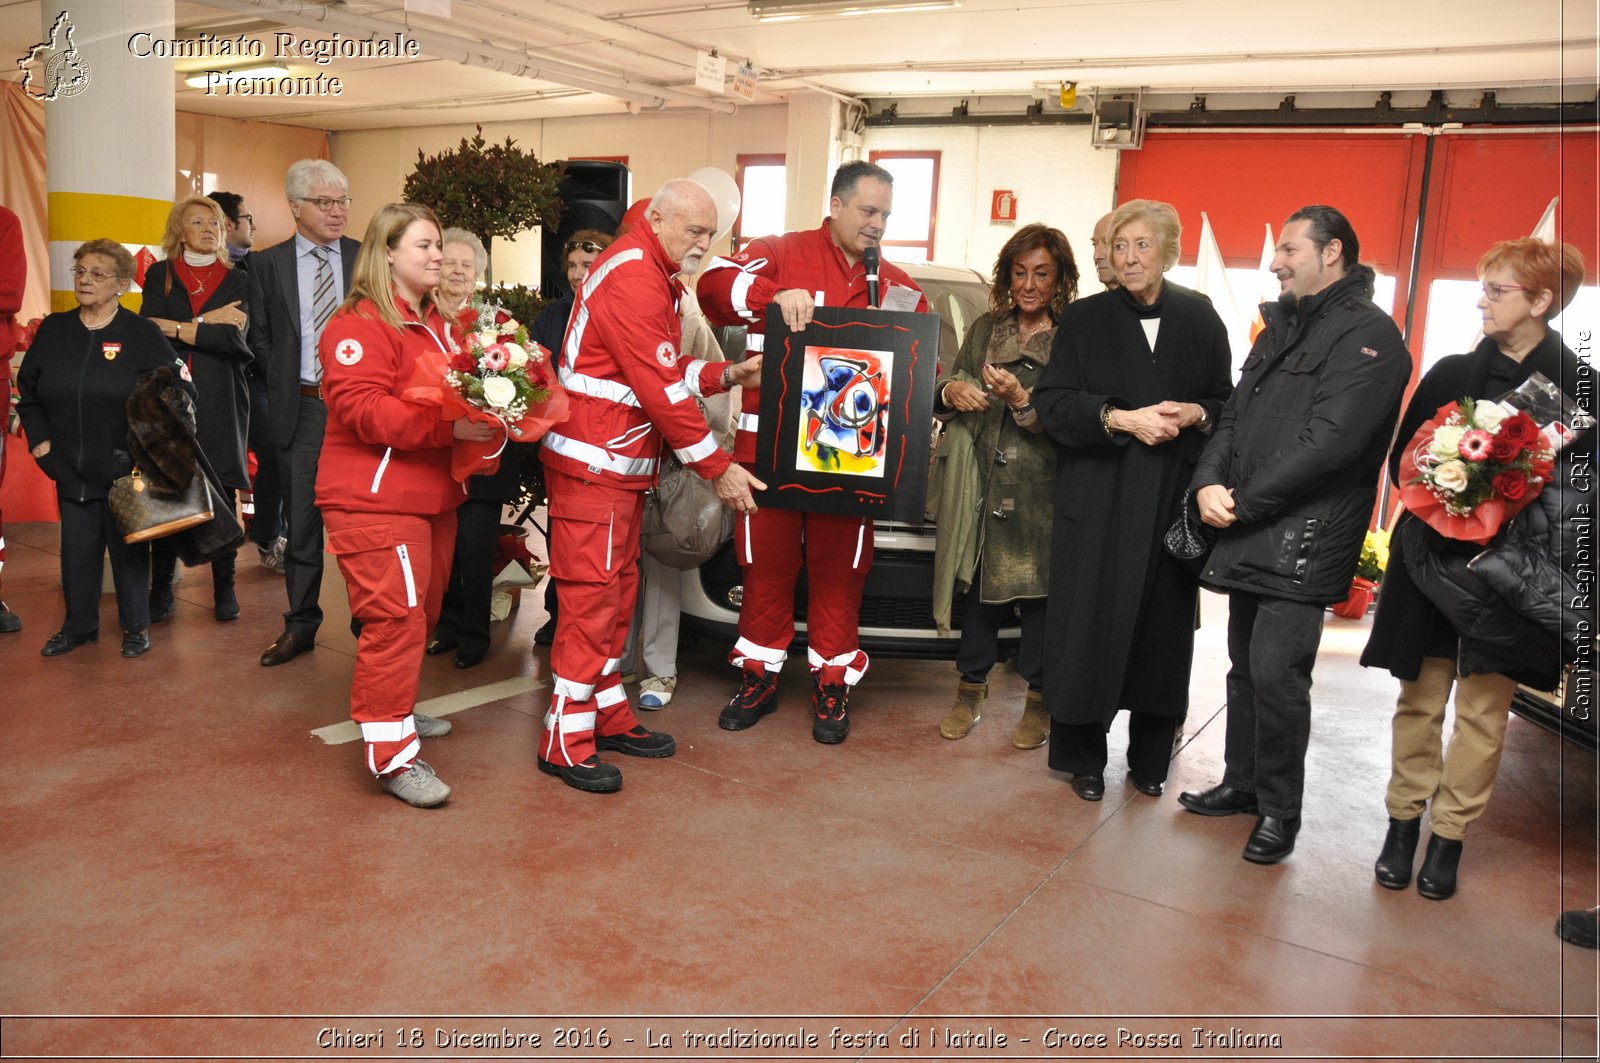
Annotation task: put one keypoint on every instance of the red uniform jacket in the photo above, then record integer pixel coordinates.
(382, 453)
(626, 384)
(736, 291)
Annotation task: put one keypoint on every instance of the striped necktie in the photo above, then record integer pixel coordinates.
(323, 296)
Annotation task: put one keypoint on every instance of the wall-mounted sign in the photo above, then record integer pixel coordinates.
(1003, 205)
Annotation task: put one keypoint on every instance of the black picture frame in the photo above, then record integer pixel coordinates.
(866, 386)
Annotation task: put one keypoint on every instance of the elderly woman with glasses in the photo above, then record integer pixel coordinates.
(198, 300)
(74, 386)
(1525, 283)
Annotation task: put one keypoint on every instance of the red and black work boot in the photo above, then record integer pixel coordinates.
(592, 775)
(639, 742)
(831, 722)
(757, 696)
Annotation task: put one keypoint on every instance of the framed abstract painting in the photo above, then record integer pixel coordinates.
(846, 413)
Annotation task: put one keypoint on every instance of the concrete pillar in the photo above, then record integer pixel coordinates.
(109, 142)
(813, 150)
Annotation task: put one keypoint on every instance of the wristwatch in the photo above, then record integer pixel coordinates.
(199, 319)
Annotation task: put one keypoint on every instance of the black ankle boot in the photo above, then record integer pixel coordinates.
(226, 602)
(1437, 879)
(1393, 869)
(163, 567)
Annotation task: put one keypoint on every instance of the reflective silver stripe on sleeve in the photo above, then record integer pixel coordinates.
(691, 377)
(755, 341)
(598, 388)
(739, 295)
(594, 458)
(749, 422)
(700, 450)
(677, 392)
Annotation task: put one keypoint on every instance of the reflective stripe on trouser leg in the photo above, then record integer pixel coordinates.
(849, 668)
(568, 735)
(391, 745)
(611, 706)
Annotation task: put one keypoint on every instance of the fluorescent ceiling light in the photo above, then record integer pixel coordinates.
(201, 78)
(793, 10)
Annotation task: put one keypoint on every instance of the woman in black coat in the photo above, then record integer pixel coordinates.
(198, 300)
(1137, 376)
(73, 394)
(1525, 283)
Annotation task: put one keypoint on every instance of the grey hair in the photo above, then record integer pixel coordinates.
(461, 236)
(1161, 217)
(680, 194)
(307, 172)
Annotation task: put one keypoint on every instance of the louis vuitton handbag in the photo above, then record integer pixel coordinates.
(142, 513)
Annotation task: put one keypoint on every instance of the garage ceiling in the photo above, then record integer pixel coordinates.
(501, 60)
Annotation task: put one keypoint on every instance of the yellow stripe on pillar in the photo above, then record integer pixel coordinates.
(79, 216)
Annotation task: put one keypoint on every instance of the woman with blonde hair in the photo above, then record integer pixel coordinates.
(384, 486)
(198, 300)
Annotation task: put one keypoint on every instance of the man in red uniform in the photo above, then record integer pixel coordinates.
(628, 391)
(800, 271)
(13, 276)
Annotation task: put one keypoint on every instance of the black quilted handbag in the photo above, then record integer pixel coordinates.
(1190, 539)
(142, 513)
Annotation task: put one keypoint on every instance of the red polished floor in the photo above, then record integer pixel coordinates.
(191, 870)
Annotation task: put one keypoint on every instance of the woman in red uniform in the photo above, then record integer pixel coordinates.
(384, 486)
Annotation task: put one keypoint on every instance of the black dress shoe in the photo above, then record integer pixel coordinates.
(470, 658)
(593, 776)
(639, 742)
(135, 644)
(1437, 879)
(546, 634)
(287, 648)
(1148, 787)
(1220, 800)
(437, 646)
(1393, 869)
(1272, 840)
(1089, 787)
(61, 642)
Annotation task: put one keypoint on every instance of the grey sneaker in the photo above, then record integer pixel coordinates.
(272, 557)
(430, 726)
(417, 785)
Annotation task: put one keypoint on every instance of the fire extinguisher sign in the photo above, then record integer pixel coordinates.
(1003, 205)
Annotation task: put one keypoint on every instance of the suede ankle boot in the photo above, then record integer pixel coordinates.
(967, 710)
(226, 602)
(163, 567)
(1034, 727)
(1393, 869)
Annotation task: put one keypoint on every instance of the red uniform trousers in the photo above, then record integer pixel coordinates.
(594, 560)
(5, 416)
(837, 551)
(395, 568)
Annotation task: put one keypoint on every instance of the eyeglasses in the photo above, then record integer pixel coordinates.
(251, 218)
(1494, 291)
(587, 245)
(93, 274)
(324, 203)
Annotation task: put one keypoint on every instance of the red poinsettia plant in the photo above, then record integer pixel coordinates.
(496, 375)
(1477, 462)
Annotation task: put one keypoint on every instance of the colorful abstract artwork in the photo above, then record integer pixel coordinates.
(844, 411)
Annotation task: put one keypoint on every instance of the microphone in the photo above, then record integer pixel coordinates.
(870, 259)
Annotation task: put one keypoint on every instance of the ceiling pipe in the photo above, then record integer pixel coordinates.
(476, 53)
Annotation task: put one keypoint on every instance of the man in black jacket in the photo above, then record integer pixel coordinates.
(1290, 475)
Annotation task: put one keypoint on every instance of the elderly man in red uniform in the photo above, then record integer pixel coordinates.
(800, 271)
(629, 390)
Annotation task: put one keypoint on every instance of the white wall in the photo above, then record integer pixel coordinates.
(1058, 178)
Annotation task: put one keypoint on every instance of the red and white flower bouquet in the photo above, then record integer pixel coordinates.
(498, 376)
(1478, 462)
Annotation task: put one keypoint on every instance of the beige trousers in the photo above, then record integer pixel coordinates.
(1459, 781)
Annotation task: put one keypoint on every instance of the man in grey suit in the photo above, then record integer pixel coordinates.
(294, 288)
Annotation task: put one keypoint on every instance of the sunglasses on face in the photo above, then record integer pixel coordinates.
(589, 246)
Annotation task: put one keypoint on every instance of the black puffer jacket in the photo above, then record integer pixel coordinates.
(1541, 571)
(1301, 441)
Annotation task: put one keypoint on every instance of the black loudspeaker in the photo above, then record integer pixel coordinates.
(594, 195)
